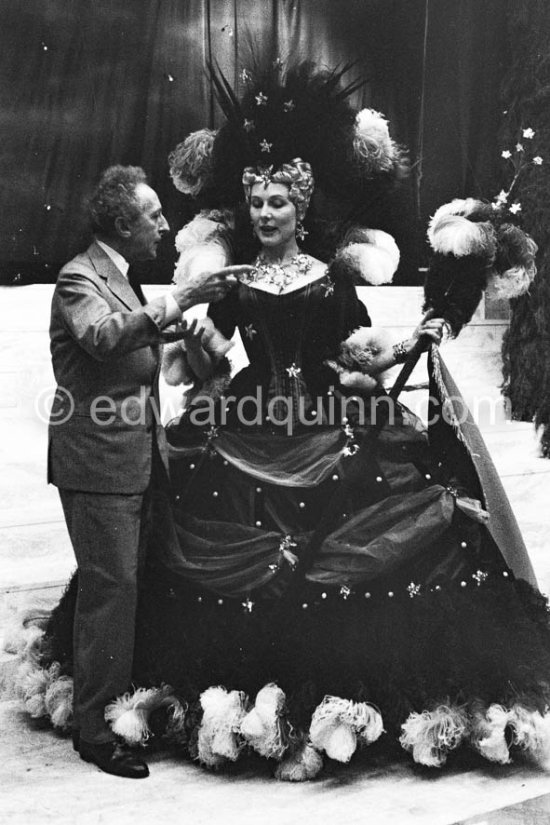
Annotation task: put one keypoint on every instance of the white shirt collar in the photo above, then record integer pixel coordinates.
(119, 261)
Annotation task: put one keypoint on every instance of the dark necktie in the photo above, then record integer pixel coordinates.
(133, 280)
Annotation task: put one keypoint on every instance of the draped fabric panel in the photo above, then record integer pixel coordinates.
(86, 84)
(464, 65)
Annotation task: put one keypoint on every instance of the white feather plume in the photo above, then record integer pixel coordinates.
(372, 142)
(262, 725)
(219, 732)
(32, 683)
(376, 259)
(512, 283)
(531, 732)
(450, 232)
(336, 724)
(488, 733)
(58, 701)
(430, 735)
(129, 714)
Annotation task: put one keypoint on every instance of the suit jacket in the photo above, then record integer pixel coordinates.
(105, 349)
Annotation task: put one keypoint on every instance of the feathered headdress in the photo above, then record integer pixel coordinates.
(295, 111)
(301, 111)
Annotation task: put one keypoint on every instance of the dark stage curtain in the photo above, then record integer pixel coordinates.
(88, 83)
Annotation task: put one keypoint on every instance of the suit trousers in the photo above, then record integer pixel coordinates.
(109, 534)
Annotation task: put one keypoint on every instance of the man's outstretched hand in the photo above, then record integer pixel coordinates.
(206, 287)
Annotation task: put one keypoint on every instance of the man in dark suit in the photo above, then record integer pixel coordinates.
(106, 443)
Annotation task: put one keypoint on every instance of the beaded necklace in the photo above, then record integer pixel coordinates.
(279, 274)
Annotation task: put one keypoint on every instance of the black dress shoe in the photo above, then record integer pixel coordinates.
(113, 758)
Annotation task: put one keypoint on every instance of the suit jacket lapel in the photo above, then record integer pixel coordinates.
(114, 279)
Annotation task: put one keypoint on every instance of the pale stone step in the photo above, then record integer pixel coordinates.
(34, 553)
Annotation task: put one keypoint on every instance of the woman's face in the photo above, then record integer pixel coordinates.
(273, 214)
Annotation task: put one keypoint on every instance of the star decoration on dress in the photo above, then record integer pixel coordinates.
(261, 99)
(413, 589)
(284, 548)
(480, 577)
(248, 605)
(212, 433)
(351, 446)
(294, 371)
(348, 431)
(289, 106)
(350, 449)
(328, 287)
(248, 125)
(345, 591)
(250, 331)
(265, 146)
(245, 75)
(273, 567)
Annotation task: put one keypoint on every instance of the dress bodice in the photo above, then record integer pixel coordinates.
(288, 336)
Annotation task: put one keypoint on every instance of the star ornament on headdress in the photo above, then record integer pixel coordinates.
(261, 99)
(265, 174)
(248, 125)
(289, 106)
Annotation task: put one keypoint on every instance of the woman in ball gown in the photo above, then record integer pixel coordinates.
(407, 618)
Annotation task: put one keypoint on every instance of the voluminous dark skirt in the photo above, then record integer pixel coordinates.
(409, 621)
